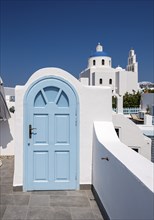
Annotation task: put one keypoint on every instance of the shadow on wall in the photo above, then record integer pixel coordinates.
(5, 134)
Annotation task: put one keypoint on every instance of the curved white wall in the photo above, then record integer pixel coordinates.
(124, 184)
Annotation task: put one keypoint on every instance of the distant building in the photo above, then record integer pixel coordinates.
(100, 72)
(146, 85)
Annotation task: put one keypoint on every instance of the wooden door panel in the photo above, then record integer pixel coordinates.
(41, 129)
(62, 166)
(40, 166)
(62, 129)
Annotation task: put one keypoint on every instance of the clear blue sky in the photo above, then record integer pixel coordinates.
(54, 33)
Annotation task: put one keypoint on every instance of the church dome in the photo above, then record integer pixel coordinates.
(99, 52)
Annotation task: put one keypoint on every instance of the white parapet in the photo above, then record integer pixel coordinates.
(124, 180)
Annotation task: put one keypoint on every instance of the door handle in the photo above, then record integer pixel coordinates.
(31, 131)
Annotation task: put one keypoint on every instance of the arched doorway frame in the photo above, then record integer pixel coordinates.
(26, 132)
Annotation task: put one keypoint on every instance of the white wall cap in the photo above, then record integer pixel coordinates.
(51, 71)
(84, 70)
(98, 87)
(102, 69)
(119, 68)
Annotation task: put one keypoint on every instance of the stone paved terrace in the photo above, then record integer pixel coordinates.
(43, 205)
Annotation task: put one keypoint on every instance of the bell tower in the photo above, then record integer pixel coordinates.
(132, 64)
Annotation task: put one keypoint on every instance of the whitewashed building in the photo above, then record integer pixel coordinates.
(100, 72)
(64, 140)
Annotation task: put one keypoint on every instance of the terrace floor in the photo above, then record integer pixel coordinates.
(43, 205)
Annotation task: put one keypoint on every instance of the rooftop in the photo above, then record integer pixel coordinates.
(43, 204)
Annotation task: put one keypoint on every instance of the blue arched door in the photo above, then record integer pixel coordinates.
(50, 136)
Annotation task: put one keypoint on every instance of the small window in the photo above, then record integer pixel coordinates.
(110, 81)
(103, 62)
(94, 62)
(129, 61)
(135, 149)
(109, 62)
(117, 131)
(100, 81)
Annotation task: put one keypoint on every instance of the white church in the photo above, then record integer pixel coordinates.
(100, 72)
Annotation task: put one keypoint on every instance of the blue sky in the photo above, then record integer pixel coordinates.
(54, 33)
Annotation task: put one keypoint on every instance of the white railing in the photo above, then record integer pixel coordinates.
(122, 178)
(127, 111)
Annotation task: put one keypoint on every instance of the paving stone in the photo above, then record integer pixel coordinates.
(21, 199)
(15, 212)
(6, 180)
(6, 173)
(6, 166)
(76, 193)
(69, 201)
(101, 218)
(93, 203)
(51, 213)
(41, 213)
(20, 193)
(97, 213)
(95, 209)
(90, 194)
(39, 200)
(6, 199)
(2, 210)
(82, 213)
(52, 193)
(6, 189)
(62, 213)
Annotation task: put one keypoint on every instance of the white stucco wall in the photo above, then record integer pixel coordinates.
(105, 74)
(92, 108)
(126, 81)
(121, 83)
(132, 81)
(124, 183)
(131, 135)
